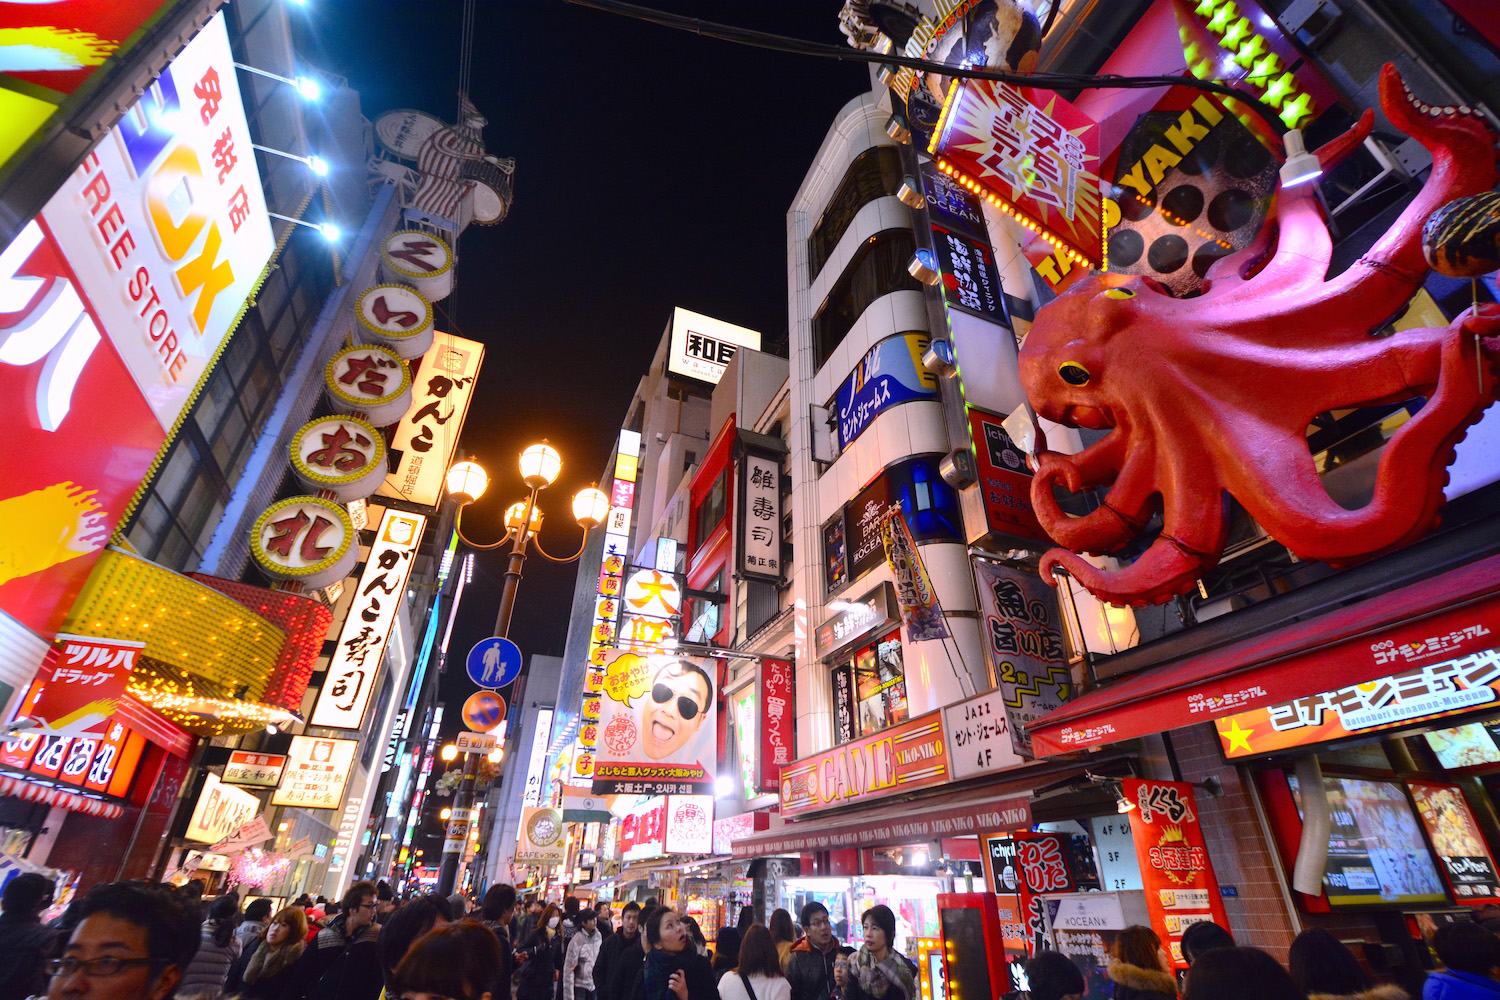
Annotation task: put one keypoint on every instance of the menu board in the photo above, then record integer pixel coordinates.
(1376, 853)
(1466, 746)
(1467, 861)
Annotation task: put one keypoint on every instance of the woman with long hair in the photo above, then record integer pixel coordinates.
(461, 961)
(747, 917)
(878, 971)
(1326, 970)
(542, 957)
(758, 975)
(1239, 974)
(673, 969)
(727, 950)
(1138, 967)
(206, 975)
(783, 934)
(269, 975)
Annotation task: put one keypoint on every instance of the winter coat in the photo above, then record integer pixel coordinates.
(657, 969)
(732, 987)
(270, 974)
(24, 946)
(1380, 991)
(891, 978)
(507, 958)
(810, 971)
(321, 970)
(207, 973)
(1451, 985)
(1135, 983)
(619, 951)
(539, 971)
(578, 964)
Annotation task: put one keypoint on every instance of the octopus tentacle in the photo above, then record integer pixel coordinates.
(1122, 516)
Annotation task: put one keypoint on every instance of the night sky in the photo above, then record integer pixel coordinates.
(654, 168)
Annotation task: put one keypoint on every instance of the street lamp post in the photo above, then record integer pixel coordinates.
(467, 481)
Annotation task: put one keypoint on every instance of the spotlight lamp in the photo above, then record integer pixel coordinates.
(1300, 166)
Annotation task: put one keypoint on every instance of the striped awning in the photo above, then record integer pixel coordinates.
(34, 791)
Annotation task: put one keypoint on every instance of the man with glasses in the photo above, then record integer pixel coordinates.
(680, 698)
(345, 949)
(132, 943)
(809, 966)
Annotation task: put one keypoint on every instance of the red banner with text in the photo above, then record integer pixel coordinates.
(1175, 871)
(1041, 867)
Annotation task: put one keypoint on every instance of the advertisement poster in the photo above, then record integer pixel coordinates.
(541, 840)
(221, 810)
(1175, 867)
(658, 725)
(891, 372)
(1467, 860)
(776, 714)
(1004, 478)
(843, 703)
(317, 769)
(87, 681)
(920, 611)
(1023, 637)
(690, 824)
(1376, 851)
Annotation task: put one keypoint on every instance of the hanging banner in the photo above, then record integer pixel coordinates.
(317, 770)
(1023, 637)
(425, 438)
(1042, 867)
(541, 840)
(87, 682)
(582, 806)
(920, 611)
(760, 516)
(350, 681)
(1179, 879)
(777, 712)
(891, 372)
(1468, 863)
(658, 725)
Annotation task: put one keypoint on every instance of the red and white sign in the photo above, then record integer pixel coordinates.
(1041, 867)
(424, 440)
(86, 685)
(777, 713)
(690, 824)
(899, 759)
(261, 769)
(105, 763)
(643, 833)
(62, 43)
(1175, 869)
(419, 259)
(397, 317)
(316, 772)
(1004, 478)
(343, 455)
(309, 539)
(372, 381)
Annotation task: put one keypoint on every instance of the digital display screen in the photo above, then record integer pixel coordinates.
(1376, 851)
(1465, 746)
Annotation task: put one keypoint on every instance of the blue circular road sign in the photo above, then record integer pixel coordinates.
(494, 662)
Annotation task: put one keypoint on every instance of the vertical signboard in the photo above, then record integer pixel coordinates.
(1023, 638)
(1041, 867)
(532, 796)
(760, 516)
(425, 438)
(1004, 478)
(1180, 886)
(350, 681)
(777, 712)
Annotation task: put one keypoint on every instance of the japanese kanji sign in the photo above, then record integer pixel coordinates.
(1033, 152)
(777, 715)
(658, 728)
(221, 810)
(1023, 637)
(260, 769)
(316, 771)
(372, 381)
(760, 516)
(424, 440)
(702, 347)
(344, 455)
(310, 539)
(350, 681)
(1180, 886)
(970, 278)
(87, 682)
(979, 737)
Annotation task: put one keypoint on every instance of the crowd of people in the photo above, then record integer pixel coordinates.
(149, 941)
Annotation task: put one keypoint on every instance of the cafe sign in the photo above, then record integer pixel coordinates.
(899, 759)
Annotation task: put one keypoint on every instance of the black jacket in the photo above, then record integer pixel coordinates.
(507, 958)
(609, 959)
(701, 983)
(810, 971)
(543, 960)
(24, 946)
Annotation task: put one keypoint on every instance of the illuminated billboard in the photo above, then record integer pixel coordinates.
(702, 346)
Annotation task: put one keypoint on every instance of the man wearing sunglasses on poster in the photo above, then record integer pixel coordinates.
(678, 702)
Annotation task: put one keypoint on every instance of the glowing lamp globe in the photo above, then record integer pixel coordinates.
(467, 481)
(446, 813)
(448, 752)
(590, 506)
(516, 511)
(540, 465)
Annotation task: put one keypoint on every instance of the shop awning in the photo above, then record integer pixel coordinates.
(1448, 616)
(33, 791)
(965, 813)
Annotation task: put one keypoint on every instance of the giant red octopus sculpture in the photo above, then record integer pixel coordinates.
(1214, 394)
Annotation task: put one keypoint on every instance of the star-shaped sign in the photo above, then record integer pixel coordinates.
(1236, 737)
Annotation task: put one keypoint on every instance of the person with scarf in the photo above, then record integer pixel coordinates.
(673, 969)
(269, 975)
(878, 971)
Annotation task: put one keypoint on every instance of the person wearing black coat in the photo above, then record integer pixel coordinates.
(541, 957)
(25, 945)
(627, 937)
(673, 969)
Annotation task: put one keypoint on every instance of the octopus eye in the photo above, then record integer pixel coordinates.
(1118, 293)
(1073, 374)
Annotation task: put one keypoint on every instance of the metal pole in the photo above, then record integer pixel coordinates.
(463, 798)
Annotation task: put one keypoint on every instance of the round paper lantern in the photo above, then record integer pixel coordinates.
(1462, 239)
(372, 381)
(344, 455)
(397, 317)
(419, 259)
(308, 539)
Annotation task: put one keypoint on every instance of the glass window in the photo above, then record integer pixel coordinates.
(878, 269)
(879, 695)
(875, 174)
(711, 511)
